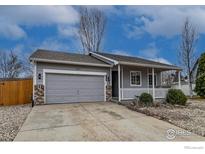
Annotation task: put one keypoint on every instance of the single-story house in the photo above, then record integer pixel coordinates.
(61, 77)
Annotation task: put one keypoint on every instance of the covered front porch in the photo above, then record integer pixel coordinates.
(129, 81)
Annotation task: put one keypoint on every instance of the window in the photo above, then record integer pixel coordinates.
(150, 80)
(135, 78)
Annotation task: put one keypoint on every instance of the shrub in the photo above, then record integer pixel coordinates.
(200, 86)
(176, 96)
(146, 99)
(200, 77)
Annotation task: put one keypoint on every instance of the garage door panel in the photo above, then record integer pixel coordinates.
(62, 91)
(84, 85)
(62, 95)
(82, 92)
(91, 92)
(57, 99)
(62, 88)
(91, 99)
(73, 78)
(75, 88)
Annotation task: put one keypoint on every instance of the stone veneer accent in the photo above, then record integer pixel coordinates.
(108, 93)
(39, 94)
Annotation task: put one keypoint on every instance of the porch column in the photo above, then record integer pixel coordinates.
(179, 79)
(122, 84)
(110, 77)
(148, 80)
(119, 91)
(153, 88)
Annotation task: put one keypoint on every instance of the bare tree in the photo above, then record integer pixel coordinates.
(187, 50)
(91, 29)
(3, 65)
(27, 67)
(10, 65)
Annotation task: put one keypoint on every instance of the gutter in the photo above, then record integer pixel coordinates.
(68, 62)
(149, 65)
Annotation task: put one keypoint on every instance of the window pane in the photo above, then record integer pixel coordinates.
(150, 80)
(135, 78)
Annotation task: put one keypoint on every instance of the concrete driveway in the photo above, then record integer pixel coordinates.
(94, 122)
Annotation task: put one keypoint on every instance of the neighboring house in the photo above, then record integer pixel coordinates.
(61, 77)
(184, 87)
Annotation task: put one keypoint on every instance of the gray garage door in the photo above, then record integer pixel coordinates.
(62, 88)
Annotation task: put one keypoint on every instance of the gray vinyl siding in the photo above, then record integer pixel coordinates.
(133, 91)
(126, 74)
(144, 76)
(40, 66)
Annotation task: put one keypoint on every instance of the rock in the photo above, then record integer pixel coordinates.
(11, 119)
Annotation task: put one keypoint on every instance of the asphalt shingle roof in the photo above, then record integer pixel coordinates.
(129, 59)
(64, 56)
(74, 57)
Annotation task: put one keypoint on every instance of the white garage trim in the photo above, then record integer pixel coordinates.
(73, 72)
(54, 71)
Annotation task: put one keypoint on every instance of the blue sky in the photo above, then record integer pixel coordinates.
(151, 32)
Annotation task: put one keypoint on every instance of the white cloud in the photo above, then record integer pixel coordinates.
(152, 53)
(14, 17)
(133, 31)
(166, 21)
(19, 49)
(53, 44)
(121, 52)
(161, 60)
(68, 30)
(107, 9)
(58, 44)
(11, 31)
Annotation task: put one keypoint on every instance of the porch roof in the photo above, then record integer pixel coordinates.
(136, 61)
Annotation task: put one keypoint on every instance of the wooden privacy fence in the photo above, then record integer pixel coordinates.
(16, 91)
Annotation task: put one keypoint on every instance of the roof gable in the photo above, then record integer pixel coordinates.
(65, 57)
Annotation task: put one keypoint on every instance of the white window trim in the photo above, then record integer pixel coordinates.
(134, 85)
(154, 75)
(53, 71)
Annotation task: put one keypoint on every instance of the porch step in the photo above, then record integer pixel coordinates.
(114, 100)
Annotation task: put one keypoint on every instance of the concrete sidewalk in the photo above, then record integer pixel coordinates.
(95, 122)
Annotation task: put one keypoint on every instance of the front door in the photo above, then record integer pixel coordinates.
(114, 84)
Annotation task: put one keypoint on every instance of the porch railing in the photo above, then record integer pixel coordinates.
(130, 93)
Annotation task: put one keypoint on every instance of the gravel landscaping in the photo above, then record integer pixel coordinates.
(11, 120)
(190, 117)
